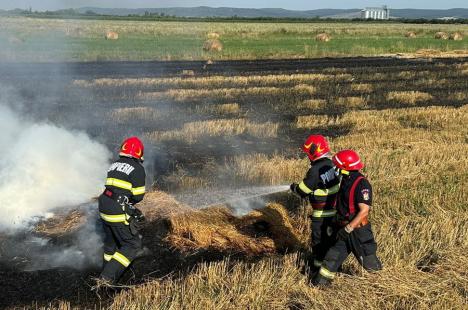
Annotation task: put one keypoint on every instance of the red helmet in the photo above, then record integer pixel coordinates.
(348, 160)
(132, 147)
(316, 146)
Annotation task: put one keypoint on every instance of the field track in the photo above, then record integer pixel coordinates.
(201, 68)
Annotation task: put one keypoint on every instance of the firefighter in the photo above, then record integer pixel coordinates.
(125, 187)
(354, 232)
(320, 185)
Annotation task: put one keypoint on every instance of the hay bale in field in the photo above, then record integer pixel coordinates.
(111, 35)
(323, 37)
(213, 45)
(213, 36)
(456, 36)
(410, 34)
(441, 35)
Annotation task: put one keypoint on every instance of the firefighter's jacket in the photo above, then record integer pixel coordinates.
(321, 184)
(125, 182)
(355, 189)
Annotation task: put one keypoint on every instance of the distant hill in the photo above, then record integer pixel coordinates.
(204, 11)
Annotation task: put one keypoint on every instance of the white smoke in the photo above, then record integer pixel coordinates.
(44, 167)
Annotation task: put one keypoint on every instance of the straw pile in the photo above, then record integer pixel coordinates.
(268, 230)
(410, 34)
(213, 45)
(61, 224)
(441, 35)
(111, 35)
(323, 37)
(456, 36)
(159, 205)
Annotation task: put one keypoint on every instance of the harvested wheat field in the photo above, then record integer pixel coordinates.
(222, 144)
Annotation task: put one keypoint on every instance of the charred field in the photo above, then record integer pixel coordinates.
(219, 127)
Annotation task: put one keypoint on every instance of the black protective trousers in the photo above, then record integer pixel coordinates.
(322, 239)
(361, 243)
(120, 249)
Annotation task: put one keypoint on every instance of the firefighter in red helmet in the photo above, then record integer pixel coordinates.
(320, 185)
(125, 187)
(354, 233)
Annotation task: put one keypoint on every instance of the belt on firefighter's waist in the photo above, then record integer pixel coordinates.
(364, 222)
(323, 213)
(318, 205)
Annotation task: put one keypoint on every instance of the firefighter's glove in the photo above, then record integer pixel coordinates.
(293, 187)
(139, 217)
(344, 233)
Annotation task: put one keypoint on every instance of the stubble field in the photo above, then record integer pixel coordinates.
(208, 132)
(216, 127)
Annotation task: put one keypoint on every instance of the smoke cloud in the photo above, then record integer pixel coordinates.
(45, 167)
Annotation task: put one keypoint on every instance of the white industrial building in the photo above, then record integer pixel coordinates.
(376, 13)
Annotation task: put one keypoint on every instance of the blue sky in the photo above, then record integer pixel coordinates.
(291, 4)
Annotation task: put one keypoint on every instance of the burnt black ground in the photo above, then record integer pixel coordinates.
(173, 68)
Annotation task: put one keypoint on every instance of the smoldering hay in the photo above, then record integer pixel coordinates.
(43, 168)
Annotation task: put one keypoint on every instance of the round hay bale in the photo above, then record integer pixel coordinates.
(441, 35)
(111, 35)
(456, 36)
(410, 34)
(213, 46)
(213, 35)
(323, 37)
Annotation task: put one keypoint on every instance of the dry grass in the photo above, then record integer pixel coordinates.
(278, 284)
(190, 132)
(226, 109)
(408, 97)
(304, 89)
(419, 217)
(459, 96)
(351, 102)
(362, 87)
(123, 115)
(312, 104)
(209, 94)
(315, 121)
(212, 82)
(261, 169)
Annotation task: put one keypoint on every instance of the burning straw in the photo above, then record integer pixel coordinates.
(267, 230)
